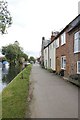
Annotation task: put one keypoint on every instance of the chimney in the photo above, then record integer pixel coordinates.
(52, 36)
(78, 7)
(43, 38)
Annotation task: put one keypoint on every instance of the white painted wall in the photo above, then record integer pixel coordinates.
(50, 53)
(46, 57)
(52, 56)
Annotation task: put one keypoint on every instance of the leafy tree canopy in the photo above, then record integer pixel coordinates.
(5, 17)
(13, 52)
(32, 59)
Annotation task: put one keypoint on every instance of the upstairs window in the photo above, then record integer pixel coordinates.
(63, 62)
(57, 43)
(63, 38)
(78, 67)
(50, 46)
(54, 44)
(77, 42)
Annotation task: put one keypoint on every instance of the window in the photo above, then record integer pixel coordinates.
(54, 44)
(50, 62)
(63, 62)
(77, 42)
(45, 52)
(63, 38)
(57, 43)
(50, 47)
(78, 67)
(46, 63)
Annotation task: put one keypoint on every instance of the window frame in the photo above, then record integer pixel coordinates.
(63, 38)
(76, 42)
(78, 62)
(50, 62)
(57, 42)
(62, 66)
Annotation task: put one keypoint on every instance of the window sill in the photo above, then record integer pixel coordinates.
(76, 52)
(63, 69)
(57, 47)
(63, 44)
(78, 72)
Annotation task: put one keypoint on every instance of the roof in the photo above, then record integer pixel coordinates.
(45, 43)
(74, 23)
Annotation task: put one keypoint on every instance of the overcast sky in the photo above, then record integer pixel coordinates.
(33, 19)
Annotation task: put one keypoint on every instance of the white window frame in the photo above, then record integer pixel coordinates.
(45, 51)
(63, 38)
(77, 42)
(46, 63)
(54, 44)
(50, 62)
(57, 43)
(78, 62)
(64, 65)
(50, 46)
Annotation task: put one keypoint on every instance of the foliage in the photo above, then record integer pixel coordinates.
(31, 59)
(11, 73)
(13, 53)
(4, 59)
(50, 70)
(25, 56)
(14, 96)
(5, 17)
(9, 52)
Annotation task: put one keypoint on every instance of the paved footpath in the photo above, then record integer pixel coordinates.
(52, 96)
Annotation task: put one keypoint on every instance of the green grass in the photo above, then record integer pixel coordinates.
(50, 70)
(14, 96)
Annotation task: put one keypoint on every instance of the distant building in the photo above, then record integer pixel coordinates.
(44, 43)
(50, 53)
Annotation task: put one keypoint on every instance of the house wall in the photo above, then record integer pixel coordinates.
(46, 57)
(52, 56)
(62, 50)
(73, 57)
(68, 51)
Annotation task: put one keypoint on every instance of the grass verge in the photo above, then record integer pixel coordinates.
(14, 96)
(0, 106)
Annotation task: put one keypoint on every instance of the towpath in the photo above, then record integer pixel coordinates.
(53, 97)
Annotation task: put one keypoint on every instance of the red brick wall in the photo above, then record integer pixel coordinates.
(68, 51)
(74, 57)
(62, 51)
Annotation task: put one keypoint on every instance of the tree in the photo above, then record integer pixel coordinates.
(9, 52)
(25, 56)
(14, 53)
(5, 17)
(32, 59)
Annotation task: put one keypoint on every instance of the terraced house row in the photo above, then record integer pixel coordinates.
(62, 52)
